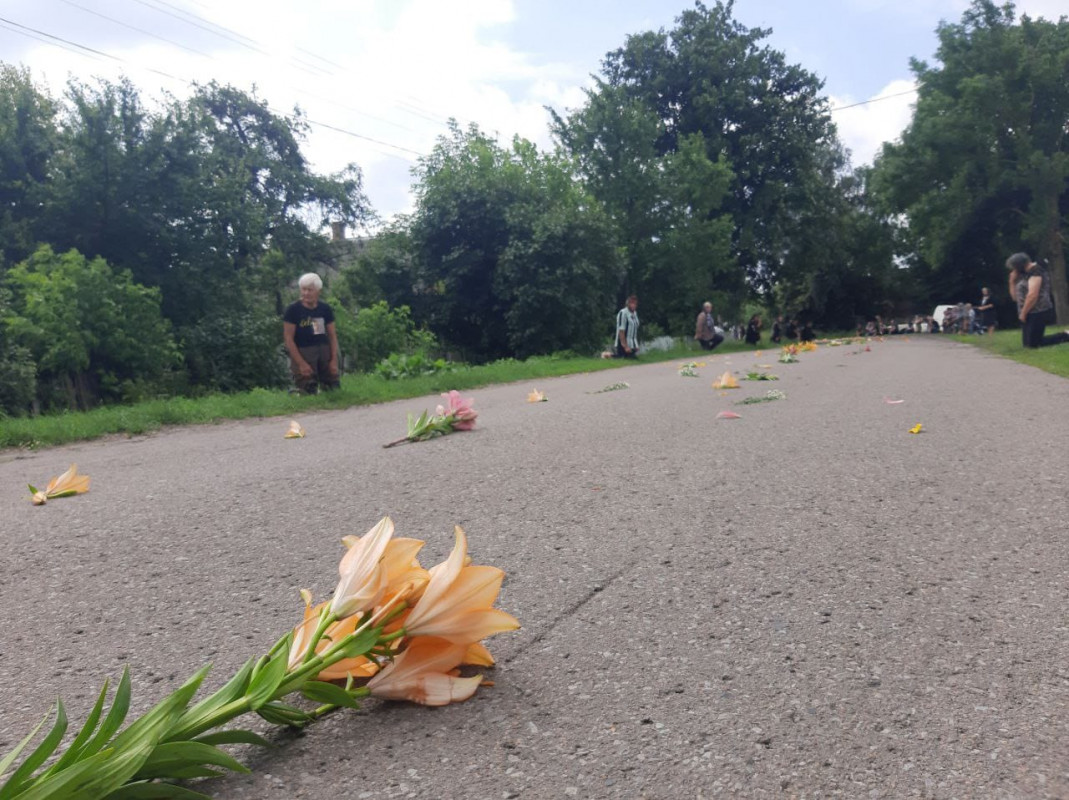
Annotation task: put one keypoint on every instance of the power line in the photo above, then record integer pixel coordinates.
(85, 51)
(299, 90)
(875, 100)
(68, 44)
(227, 33)
(135, 28)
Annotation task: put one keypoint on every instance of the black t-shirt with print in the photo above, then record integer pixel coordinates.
(311, 323)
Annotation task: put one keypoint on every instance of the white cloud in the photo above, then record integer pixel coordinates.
(390, 71)
(864, 128)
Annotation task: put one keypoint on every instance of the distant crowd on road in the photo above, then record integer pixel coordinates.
(1029, 287)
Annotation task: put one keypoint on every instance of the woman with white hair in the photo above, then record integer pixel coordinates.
(310, 337)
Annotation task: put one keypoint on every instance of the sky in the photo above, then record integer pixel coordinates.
(378, 79)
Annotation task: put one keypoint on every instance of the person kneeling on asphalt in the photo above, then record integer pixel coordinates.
(1030, 287)
(706, 332)
(311, 340)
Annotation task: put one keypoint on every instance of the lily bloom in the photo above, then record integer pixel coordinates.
(457, 603)
(425, 673)
(404, 575)
(358, 667)
(460, 410)
(726, 381)
(295, 431)
(363, 579)
(65, 485)
(477, 655)
(535, 396)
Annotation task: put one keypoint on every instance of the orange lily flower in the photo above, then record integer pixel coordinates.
(535, 396)
(457, 603)
(477, 655)
(65, 485)
(359, 667)
(726, 381)
(363, 580)
(424, 674)
(404, 575)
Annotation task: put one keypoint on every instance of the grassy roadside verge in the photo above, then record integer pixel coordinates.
(1007, 344)
(54, 429)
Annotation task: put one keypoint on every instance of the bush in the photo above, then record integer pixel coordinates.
(236, 352)
(18, 381)
(398, 365)
(90, 329)
(378, 331)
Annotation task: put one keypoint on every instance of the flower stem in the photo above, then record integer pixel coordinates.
(326, 618)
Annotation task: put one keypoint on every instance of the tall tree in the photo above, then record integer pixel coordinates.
(983, 168)
(27, 143)
(758, 116)
(515, 257)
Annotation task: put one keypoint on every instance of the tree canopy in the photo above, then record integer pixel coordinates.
(983, 168)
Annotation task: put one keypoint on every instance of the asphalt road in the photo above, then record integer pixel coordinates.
(808, 601)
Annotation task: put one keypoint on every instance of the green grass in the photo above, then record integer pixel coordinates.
(1053, 359)
(54, 429)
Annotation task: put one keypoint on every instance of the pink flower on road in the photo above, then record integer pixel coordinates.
(460, 410)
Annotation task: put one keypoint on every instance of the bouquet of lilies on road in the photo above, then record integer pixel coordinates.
(456, 415)
(392, 630)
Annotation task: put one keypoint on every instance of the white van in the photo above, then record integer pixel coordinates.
(940, 312)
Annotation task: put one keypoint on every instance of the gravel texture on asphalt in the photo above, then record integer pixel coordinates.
(807, 601)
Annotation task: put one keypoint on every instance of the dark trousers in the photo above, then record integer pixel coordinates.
(318, 358)
(621, 353)
(710, 344)
(1033, 328)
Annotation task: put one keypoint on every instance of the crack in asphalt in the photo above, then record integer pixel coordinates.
(567, 612)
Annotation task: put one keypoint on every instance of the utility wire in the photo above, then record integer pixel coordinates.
(222, 31)
(135, 28)
(258, 47)
(875, 99)
(413, 108)
(83, 50)
(297, 89)
(67, 44)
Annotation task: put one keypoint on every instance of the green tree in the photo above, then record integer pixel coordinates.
(92, 332)
(983, 168)
(515, 258)
(756, 115)
(27, 144)
(192, 198)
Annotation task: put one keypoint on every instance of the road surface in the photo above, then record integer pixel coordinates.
(808, 601)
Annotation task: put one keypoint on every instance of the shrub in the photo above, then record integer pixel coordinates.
(378, 331)
(236, 352)
(89, 328)
(18, 381)
(398, 365)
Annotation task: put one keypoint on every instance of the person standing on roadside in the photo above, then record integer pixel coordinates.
(310, 338)
(705, 330)
(1030, 288)
(627, 329)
